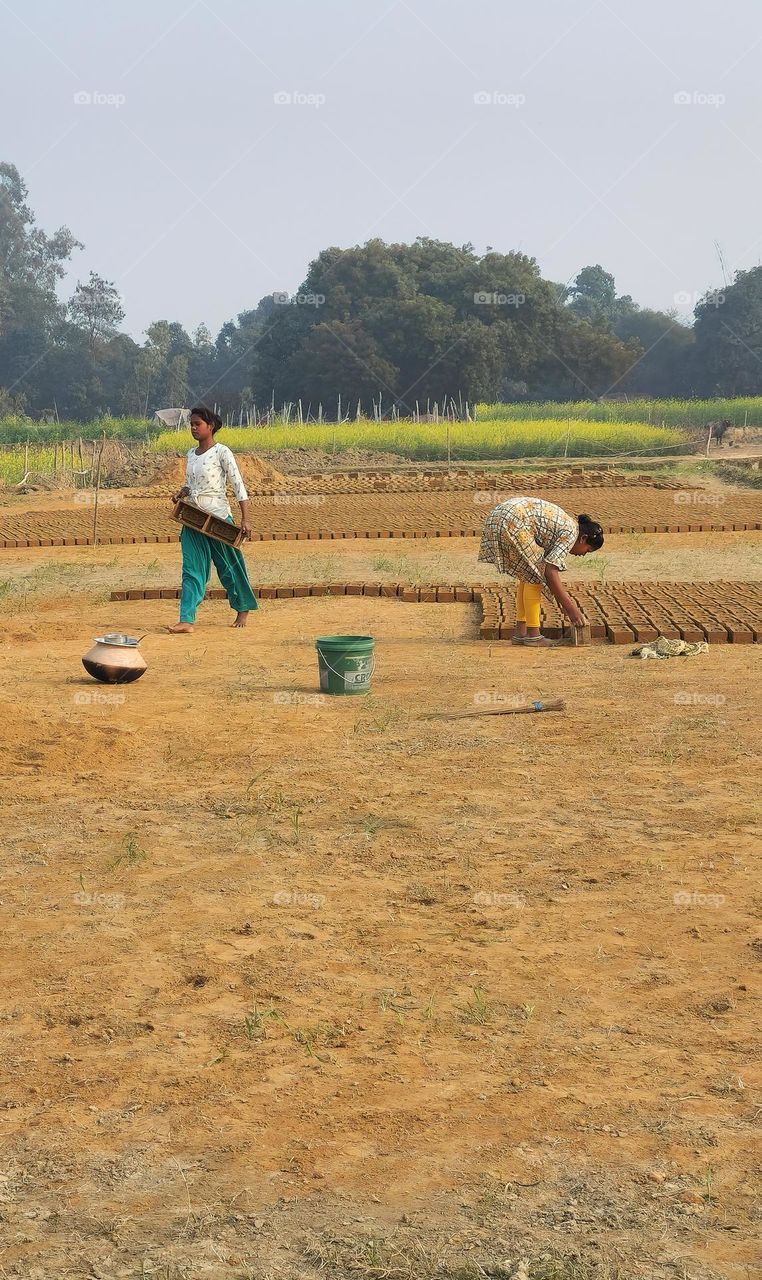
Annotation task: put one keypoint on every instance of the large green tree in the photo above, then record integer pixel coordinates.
(661, 346)
(421, 322)
(410, 323)
(96, 309)
(728, 332)
(31, 265)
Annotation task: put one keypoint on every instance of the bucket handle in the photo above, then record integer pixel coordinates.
(340, 674)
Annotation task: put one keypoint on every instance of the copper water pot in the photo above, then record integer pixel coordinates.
(115, 659)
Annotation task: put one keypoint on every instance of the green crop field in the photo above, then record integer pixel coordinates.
(550, 418)
(18, 430)
(40, 460)
(550, 438)
(743, 411)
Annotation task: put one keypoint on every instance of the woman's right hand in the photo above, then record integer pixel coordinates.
(575, 615)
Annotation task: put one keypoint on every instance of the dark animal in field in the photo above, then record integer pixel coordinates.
(717, 430)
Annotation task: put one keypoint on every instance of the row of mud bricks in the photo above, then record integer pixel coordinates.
(620, 613)
(320, 535)
(393, 590)
(719, 612)
(433, 481)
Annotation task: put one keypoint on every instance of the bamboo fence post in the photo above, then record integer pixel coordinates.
(97, 488)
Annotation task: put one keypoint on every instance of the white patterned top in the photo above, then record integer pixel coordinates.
(207, 475)
(523, 535)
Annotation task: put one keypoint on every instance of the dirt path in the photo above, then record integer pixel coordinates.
(300, 988)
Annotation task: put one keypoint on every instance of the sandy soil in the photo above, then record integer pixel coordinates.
(301, 988)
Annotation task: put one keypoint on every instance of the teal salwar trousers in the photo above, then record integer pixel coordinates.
(198, 554)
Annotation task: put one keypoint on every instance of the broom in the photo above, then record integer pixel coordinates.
(556, 704)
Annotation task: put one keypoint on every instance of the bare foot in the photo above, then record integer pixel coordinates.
(241, 619)
(180, 629)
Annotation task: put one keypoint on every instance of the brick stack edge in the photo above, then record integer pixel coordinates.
(620, 613)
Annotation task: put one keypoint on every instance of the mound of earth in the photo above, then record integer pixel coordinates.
(319, 460)
(256, 473)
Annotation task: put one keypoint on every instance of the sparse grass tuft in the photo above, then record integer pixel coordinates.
(131, 853)
(478, 1009)
(379, 716)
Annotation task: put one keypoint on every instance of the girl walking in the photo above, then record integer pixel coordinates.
(531, 539)
(209, 467)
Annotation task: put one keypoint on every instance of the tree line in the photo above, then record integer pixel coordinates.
(388, 327)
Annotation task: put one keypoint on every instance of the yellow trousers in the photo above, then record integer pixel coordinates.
(528, 597)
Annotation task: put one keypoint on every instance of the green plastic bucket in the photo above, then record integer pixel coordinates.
(346, 663)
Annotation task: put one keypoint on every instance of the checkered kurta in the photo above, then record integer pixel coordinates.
(522, 535)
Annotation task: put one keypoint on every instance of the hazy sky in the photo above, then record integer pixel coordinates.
(197, 191)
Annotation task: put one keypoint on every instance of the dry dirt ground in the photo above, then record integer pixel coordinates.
(301, 987)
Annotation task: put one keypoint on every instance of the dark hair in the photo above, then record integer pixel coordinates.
(591, 531)
(212, 419)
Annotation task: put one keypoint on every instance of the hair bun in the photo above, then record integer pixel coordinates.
(591, 530)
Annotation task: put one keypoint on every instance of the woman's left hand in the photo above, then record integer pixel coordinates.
(246, 527)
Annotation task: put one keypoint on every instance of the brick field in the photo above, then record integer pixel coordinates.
(624, 612)
(619, 612)
(390, 481)
(267, 481)
(629, 509)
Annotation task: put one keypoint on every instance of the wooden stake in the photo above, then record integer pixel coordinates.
(97, 489)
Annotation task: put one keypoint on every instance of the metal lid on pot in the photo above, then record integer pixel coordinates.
(118, 638)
